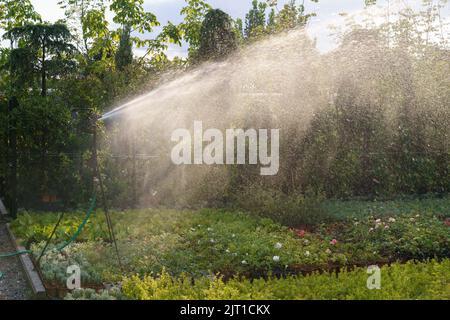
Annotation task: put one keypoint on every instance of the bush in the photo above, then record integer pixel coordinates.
(430, 280)
(290, 210)
(215, 241)
(91, 294)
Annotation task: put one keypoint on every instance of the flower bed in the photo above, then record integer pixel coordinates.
(399, 281)
(211, 242)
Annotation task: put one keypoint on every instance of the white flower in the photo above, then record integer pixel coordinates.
(212, 241)
(386, 227)
(244, 262)
(392, 220)
(378, 221)
(276, 258)
(233, 235)
(307, 253)
(371, 229)
(328, 251)
(278, 245)
(417, 215)
(210, 229)
(227, 251)
(306, 241)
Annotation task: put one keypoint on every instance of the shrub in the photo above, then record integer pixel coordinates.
(290, 210)
(91, 294)
(430, 280)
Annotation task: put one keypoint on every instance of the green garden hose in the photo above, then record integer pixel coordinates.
(65, 244)
(13, 254)
(80, 228)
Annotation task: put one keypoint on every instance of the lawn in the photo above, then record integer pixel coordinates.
(207, 254)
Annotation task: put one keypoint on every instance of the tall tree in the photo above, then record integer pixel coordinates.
(293, 15)
(133, 18)
(13, 14)
(87, 21)
(124, 54)
(255, 20)
(50, 44)
(218, 35)
(190, 29)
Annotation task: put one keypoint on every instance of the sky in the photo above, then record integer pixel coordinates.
(328, 14)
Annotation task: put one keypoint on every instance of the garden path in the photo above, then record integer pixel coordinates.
(13, 284)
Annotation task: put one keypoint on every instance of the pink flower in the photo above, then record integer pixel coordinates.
(300, 233)
(447, 222)
(333, 242)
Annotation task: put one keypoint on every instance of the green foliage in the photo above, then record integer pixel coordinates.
(403, 237)
(218, 38)
(50, 47)
(292, 16)
(290, 210)
(91, 294)
(131, 13)
(190, 29)
(16, 14)
(232, 243)
(259, 23)
(124, 55)
(255, 20)
(383, 133)
(88, 18)
(86, 255)
(398, 282)
(343, 210)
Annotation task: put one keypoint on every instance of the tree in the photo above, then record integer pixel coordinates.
(255, 20)
(132, 17)
(86, 18)
(124, 55)
(271, 22)
(131, 13)
(292, 16)
(218, 37)
(50, 46)
(16, 14)
(239, 26)
(13, 14)
(190, 29)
